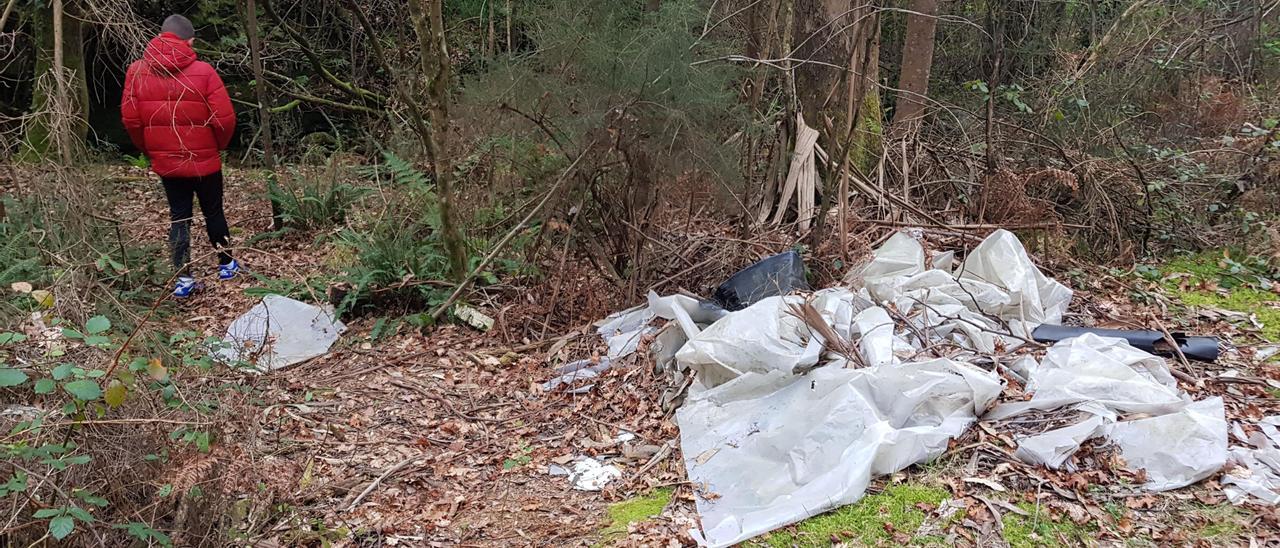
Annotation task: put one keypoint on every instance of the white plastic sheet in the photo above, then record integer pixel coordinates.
(1255, 476)
(1182, 443)
(1001, 260)
(776, 448)
(776, 430)
(766, 336)
(1178, 449)
(295, 330)
(1054, 447)
(1101, 370)
(624, 330)
(997, 279)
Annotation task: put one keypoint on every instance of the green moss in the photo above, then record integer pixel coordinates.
(1039, 529)
(1238, 298)
(627, 512)
(863, 522)
(868, 134)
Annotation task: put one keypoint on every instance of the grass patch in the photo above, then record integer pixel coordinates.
(635, 510)
(1222, 523)
(1241, 283)
(1240, 299)
(863, 523)
(1039, 529)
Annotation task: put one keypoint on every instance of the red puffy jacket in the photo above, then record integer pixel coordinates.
(176, 109)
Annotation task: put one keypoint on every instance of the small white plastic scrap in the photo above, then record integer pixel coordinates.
(589, 474)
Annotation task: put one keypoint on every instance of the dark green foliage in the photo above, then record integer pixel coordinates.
(400, 254)
(311, 200)
(19, 257)
(604, 63)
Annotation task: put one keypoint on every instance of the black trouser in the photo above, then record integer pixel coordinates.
(181, 192)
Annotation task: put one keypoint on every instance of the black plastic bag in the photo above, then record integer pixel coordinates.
(777, 275)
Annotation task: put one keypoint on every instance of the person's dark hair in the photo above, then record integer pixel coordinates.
(178, 26)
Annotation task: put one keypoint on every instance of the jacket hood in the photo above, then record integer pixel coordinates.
(168, 53)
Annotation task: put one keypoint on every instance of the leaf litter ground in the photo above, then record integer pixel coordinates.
(445, 438)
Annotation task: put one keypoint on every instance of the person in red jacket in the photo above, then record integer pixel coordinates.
(178, 113)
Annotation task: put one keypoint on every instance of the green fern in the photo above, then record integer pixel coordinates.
(312, 203)
(402, 173)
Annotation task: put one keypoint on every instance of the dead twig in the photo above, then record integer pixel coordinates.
(375, 483)
(1168, 338)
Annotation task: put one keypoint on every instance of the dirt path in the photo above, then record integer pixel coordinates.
(443, 438)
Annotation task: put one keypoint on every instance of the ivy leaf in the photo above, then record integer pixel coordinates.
(11, 377)
(61, 526)
(116, 393)
(47, 513)
(97, 324)
(45, 386)
(84, 389)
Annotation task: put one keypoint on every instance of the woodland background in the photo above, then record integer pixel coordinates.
(550, 162)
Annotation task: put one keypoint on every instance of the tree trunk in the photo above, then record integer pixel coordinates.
(493, 34)
(917, 60)
(435, 65)
(837, 78)
(264, 113)
(51, 113)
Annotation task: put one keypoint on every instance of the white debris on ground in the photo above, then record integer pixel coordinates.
(801, 400)
(280, 332)
(587, 474)
(1179, 442)
(624, 330)
(1255, 473)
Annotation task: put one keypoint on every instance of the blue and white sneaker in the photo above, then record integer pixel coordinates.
(185, 287)
(229, 270)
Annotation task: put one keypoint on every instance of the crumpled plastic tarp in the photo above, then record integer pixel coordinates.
(776, 448)
(1095, 369)
(997, 279)
(769, 335)
(1255, 477)
(624, 330)
(1178, 449)
(297, 331)
(1180, 443)
(780, 426)
(766, 336)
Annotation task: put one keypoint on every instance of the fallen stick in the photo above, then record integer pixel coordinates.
(658, 457)
(466, 282)
(1182, 358)
(375, 483)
